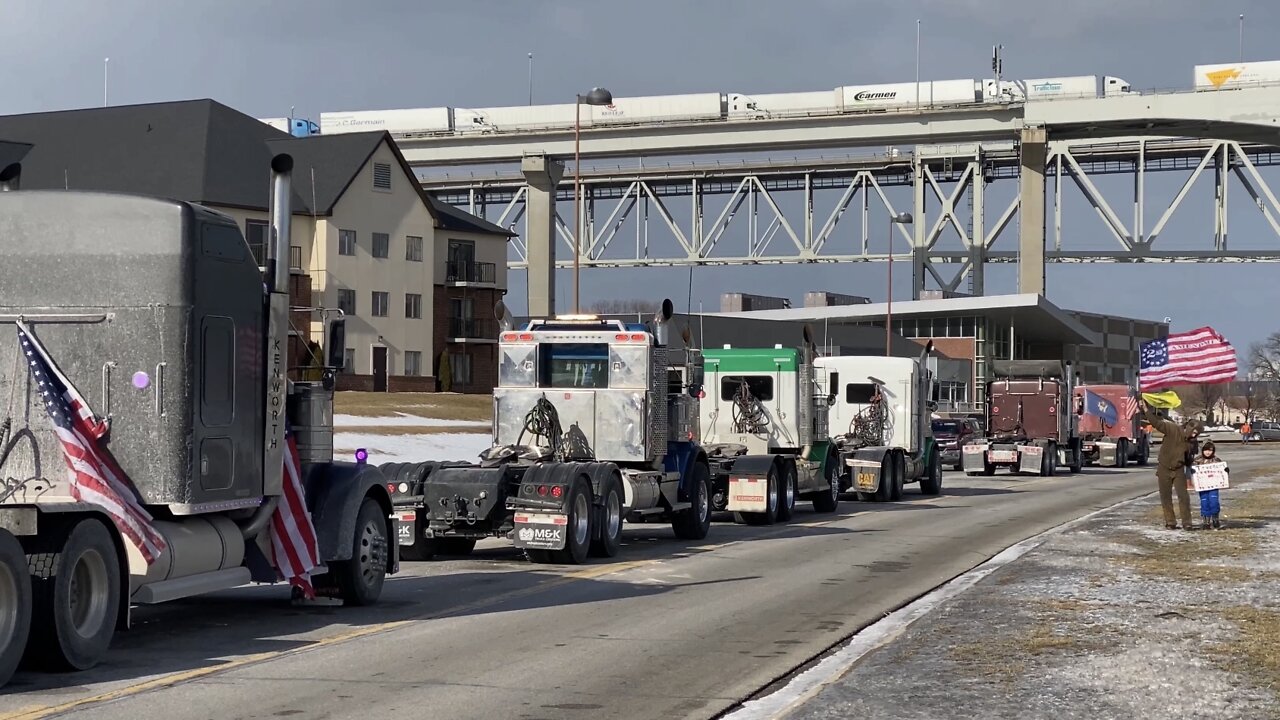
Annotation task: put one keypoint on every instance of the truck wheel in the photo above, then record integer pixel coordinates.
(695, 523)
(577, 542)
(899, 476)
(360, 579)
(608, 536)
(787, 493)
(827, 502)
(15, 605)
(1047, 461)
(1144, 453)
(1122, 453)
(931, 481)
(76, 595)
(770, 515)
(455, 546)
(884, 491)
(1077, 457)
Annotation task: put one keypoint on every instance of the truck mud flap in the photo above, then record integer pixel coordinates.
(1106, 454)
(464, 494)
(540, 531)
(1032, 458)
(973, 458)
(863, 466)
(749, 484)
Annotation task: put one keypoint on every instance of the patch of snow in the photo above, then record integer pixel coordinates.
(411, 448)
(401, 420)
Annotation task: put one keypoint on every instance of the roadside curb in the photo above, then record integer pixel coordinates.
(807, 684)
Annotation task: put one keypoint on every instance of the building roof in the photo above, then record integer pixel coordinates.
(1036, 318)
(12, 152)
(451, 218)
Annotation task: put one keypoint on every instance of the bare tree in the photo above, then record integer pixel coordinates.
(1203, 399)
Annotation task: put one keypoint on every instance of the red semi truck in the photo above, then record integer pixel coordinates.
(1113, 445)
(1031, 421)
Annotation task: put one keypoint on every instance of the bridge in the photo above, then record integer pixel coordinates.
(1064, 139)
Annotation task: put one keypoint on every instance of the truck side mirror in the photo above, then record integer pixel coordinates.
(337, 343)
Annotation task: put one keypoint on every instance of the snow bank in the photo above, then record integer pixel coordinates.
(401, 420)
(410, 448)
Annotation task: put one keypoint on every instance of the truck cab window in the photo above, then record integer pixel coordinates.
(760, 386)
(573, 365)
(859, 393)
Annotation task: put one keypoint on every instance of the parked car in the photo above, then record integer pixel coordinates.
(950, 434)
(1264, 430)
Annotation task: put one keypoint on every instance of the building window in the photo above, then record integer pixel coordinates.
(412, 306)
(412, 363)
(381, 302)
(256, 233)
(349, 360)
(382, 176)
(460, 368)
(413, 248)
(346, 242)
(381, 245)
(347, 301)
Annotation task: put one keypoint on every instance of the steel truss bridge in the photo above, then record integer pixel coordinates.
(788, 211)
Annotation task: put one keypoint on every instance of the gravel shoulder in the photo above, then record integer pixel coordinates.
(1114, 618)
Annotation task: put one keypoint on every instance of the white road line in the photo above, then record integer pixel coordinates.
(809, 683)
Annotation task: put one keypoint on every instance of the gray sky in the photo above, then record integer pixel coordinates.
(324, 55)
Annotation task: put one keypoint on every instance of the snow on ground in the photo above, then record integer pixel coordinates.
(402, 420)
(410, 448)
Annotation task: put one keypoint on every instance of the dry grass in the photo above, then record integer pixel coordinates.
(401, 430)
(1257, 647)
(443, 406)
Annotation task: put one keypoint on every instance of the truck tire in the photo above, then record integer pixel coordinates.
(1077, 455)
(695, 523)
(828, 502)
(1144, 452)
(770, 515)
(1122, 453)
(607, 538)
(76, 597)
(360, 579)
(15, 605)
(899, 476)
(931, 481)
(787, 492)
(1048, 460)
(884, 491)
(578, 533)
(455, 546)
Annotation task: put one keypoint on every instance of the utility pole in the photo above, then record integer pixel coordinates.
(104, 80)
(1241, 37)
(530, 78)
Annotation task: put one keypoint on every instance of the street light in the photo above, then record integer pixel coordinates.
(902, 218)
(597, 96)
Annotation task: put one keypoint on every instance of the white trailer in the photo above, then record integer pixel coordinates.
(1229, 75)
(1041, 88)
(518, 118)
(767, 105)
(659, 108)
(878, 97)
(422, 121)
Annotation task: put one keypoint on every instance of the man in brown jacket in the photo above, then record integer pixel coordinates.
(1171, 465)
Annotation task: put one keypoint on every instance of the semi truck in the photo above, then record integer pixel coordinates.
(297, 127)
(765, 433)
(882, 411)
(1031, 421)
(1112, 445)
(594, 422)
(168, 483)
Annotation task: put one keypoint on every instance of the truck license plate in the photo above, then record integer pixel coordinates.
(748, 495)
(541, 531)
(407, 524)
(999, 456)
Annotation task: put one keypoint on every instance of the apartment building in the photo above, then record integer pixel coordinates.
(416, 280)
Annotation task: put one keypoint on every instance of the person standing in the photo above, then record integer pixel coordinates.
(1245, 430)
(1171, 466)
(1210, 506)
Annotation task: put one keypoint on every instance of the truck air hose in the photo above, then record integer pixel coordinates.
(748, 413)
(872, 425)
(543, 421)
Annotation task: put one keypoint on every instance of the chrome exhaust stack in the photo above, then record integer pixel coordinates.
(277, 340)
(281, 196)
(662, 322)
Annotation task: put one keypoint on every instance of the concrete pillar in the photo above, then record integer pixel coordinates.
(1031, 212)
(543, 177)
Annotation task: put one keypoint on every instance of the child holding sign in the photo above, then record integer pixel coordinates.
(1209, 474)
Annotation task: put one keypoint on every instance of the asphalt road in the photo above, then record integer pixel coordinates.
(670, 629)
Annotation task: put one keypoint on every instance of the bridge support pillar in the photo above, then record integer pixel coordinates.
(543, 177)
(1031, 263)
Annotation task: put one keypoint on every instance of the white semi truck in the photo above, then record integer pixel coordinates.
(881, 418)
(155, 311)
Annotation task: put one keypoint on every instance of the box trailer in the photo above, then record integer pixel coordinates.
(767, 105)
(659, 108)
(402, 122)
(1228, 75)
(942, 92)
(518, 117)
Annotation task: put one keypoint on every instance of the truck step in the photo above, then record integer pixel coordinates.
(167, 590)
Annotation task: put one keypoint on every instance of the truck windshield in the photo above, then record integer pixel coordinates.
(573, 365)
(760, 386)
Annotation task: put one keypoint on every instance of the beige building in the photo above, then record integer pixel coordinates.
(416, 280)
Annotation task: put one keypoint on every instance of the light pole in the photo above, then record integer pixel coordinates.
(531, 78)
(902, 218)
(597, 96)
(1242, 38)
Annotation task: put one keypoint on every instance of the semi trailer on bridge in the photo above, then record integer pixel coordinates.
(595, 421)
(765, 433)
(1031, 421)
(881, 415)
(181, 479)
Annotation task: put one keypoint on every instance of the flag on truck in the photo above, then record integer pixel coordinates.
(293, 536)
(92, 472)
(1096, 405)
(1199, 356)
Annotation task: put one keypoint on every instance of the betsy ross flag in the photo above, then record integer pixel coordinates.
(293, 536)
(93, 474)
(1198, 356)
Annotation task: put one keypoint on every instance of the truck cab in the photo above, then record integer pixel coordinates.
(1031, 421)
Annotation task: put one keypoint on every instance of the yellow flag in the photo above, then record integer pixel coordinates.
(1166, 400)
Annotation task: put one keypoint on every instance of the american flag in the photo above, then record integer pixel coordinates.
(93, 474)
(293, 536)
(1130, 406)
(1198, 356)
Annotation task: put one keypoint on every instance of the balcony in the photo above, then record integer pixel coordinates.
(472, 330)
(471, 273)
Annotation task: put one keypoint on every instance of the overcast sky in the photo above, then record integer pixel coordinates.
(324, 55)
